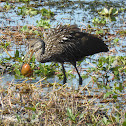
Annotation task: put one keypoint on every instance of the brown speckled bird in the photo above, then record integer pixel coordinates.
(66, 43)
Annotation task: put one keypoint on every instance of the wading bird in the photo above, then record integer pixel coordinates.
(66, 43)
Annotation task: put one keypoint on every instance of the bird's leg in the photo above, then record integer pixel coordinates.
(80, 78)
(64, 78)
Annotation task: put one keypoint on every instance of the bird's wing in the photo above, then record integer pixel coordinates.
(61, 33)
(68, 43)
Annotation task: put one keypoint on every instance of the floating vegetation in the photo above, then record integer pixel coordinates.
(110, 12)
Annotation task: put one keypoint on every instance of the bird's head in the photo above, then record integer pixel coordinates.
(36, 46)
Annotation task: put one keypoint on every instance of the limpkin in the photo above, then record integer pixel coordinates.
(66, 43)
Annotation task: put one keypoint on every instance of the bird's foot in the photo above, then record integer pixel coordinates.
(80, 81)
(64, 80)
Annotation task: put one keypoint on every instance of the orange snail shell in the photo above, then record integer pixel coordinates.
(26, 70)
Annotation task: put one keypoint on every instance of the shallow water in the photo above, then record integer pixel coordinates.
(80, 13)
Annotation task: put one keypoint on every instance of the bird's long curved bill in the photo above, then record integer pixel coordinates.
(30, 52)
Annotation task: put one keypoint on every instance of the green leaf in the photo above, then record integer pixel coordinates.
(81, 116)
(110, 10)
(31, 108)
(17, 71)
(108, 94)
(116, 73)
(17, 54)
(116, 40)
(112, 18)
(37, 105)
(69, 112)
(105, 10)
(43, 23)
(70, 115)
(18, 118)
(124, 123)
(114, 11)
(33, 116)
(34, 12)
(99, 32)
(104, 120)
(24, 28)
(46, 13)
(115, 96)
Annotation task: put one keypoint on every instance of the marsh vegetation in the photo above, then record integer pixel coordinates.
(42, 99)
